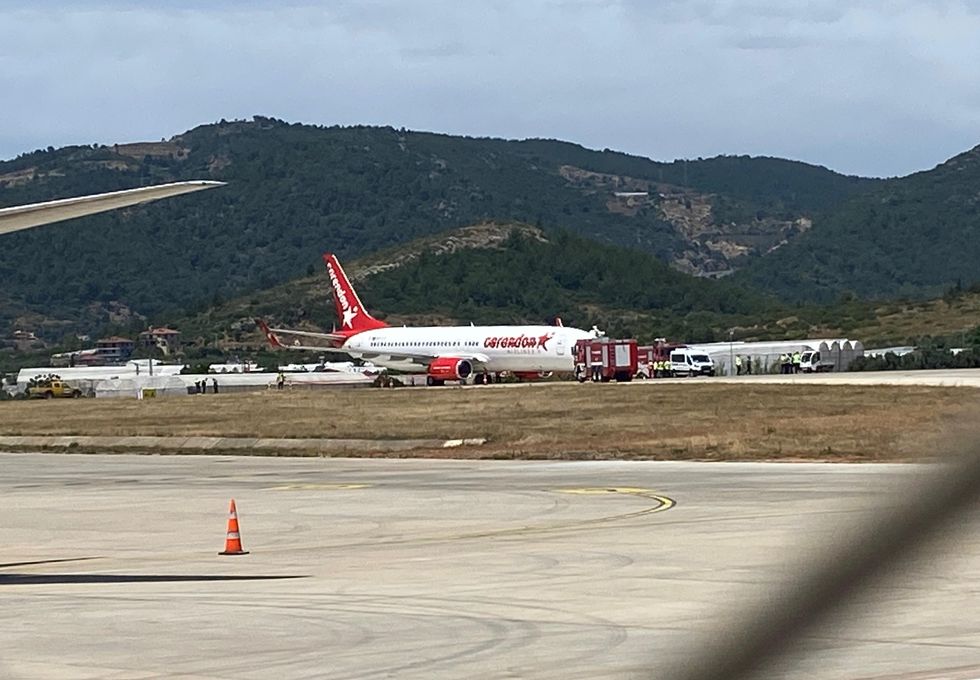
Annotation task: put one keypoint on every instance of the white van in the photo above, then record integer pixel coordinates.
(810, 362)
(688, 362)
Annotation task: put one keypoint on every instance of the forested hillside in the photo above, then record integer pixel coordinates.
(511, 273)
(503, 273)
(800, 231)
(909, 237)
(297, 190)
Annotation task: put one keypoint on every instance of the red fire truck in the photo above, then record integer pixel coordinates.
(605, 359)
(652, 355)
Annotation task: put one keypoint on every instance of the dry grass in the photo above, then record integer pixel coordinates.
(705, 421)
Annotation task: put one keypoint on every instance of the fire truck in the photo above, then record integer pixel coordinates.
(649, 356)
(605, 359)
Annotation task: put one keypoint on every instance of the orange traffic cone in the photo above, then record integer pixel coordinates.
(233, 541)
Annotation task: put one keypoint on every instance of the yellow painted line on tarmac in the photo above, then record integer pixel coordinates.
(591, 490)
(662, 504)
(319, 487)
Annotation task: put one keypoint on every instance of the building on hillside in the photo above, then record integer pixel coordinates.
(632, 199)
(166, 340)
(114, 349)
(25, 340)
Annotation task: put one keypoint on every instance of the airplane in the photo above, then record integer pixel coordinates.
(441, 352)
(20, 217)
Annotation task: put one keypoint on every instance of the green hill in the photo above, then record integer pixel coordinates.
(800, 231)
(502, 273)
(512, 273)
(296, 190)
(913, 237)
(498, 272)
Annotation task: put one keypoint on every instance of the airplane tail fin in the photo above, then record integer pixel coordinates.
(269, 335)
(350, 311)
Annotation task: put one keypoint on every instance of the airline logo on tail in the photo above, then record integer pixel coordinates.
(350, 311)
(347, 310)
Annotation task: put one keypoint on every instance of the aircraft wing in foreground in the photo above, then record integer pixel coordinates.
(20, 217)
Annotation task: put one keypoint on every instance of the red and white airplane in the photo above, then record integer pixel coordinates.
(442, 352)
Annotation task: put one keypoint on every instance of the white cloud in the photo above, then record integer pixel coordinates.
(865, 87)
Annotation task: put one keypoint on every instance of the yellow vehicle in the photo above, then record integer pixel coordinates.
(51, 388)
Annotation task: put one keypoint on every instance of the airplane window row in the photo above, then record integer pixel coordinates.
(425, 343)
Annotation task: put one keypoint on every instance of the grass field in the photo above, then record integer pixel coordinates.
(896, 322)
(700, 421)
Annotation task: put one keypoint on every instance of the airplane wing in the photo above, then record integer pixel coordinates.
(284, 338)
(34, 215)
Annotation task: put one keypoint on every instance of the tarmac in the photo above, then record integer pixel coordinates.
(448, 569)
(944, 377)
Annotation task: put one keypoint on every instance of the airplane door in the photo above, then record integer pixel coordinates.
(560, 345)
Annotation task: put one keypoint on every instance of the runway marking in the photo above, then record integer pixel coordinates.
(587, 490)
(663, 503)
(318, 487)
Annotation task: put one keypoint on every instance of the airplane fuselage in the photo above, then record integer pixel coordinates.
(506, 348)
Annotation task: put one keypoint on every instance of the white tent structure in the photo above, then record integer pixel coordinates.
(130, 379)
(166, 386)
(839, 352)
(134, 386)
(86, 378)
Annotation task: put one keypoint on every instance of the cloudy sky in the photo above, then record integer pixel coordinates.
(870, 87)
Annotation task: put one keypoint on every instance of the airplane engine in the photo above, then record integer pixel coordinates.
(449, 368)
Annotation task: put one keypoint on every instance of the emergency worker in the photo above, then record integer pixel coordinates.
(797, 359)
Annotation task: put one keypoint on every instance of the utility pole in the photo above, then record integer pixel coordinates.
(731, 351)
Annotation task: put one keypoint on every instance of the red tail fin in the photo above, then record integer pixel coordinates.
(350, 312)
(269, 335)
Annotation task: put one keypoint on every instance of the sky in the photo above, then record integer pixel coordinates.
(868, 87)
